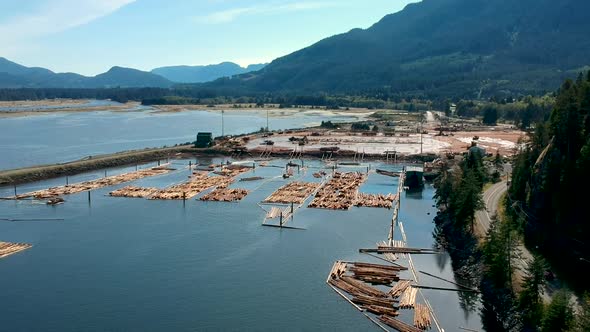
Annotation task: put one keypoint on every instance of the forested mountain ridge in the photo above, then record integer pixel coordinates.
(442, 47)
(201, 74)
(13, 75)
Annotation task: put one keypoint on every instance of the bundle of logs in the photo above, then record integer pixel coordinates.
(375, 274)
(7, 248)
(294, 192)
(94, 184)
(375, 201)
(422, 317)
(340, 193)
(352, 278)
(133, 192)
(196, 185)
(225, 195)
(233, 170)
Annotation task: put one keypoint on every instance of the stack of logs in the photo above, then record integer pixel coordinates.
(376, 201)
(133, 192)
(375, 274)
(340, 193)
(422, 317)
(225, 195)
(7, 248)
(94, 184)
(233, 170)
(294, 192)
(196, 185)
(383, 304)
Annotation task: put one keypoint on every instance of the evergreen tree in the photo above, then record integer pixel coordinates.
(559, 315)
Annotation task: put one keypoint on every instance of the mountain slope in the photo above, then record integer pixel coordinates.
(441, 47)
(200, 74)
(127, 77)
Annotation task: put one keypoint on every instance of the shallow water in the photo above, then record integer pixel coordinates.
(138, 265)
(61, 137)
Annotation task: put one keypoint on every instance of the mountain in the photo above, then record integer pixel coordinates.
(200, 74)
(13, 75)
(440, 47)
(127, 77)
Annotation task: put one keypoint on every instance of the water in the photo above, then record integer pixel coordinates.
(139, 265)
(55, 138)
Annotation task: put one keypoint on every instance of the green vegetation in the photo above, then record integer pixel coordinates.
(548, 194)
(360, 126)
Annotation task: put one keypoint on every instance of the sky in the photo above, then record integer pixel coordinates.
(91, 36)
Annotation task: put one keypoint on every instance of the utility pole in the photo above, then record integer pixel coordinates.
(222, 124)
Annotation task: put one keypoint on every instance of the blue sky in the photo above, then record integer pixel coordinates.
(90, 36)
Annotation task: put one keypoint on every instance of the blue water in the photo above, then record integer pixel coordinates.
(55, 138)
(121, 264)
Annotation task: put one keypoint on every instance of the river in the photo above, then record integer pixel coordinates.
(139, 265)
(61, 137)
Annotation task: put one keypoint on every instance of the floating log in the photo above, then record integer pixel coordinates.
(400, 250)
(340, 193)
(376, 201)
(397, 324)
(75, 188)
(399, 288)
(294, 192)
(422, 317)
(254, 178)
(379, 310)
(7, 248)
(460, 290)
(408, 299)
(388, 173)
(362, 287)
(364, 300)
(225, 195)
(133, 192)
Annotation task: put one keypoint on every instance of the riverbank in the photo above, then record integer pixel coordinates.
(43, 172)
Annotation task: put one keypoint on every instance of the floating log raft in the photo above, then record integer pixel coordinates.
(7, 248)
(408, 299)
(233, 170)
(399, 288)
(133, 192)
(376, 201)
(94, 184)
(422, 317)
(340, 193)
(400, 250)
(375, 274)
(225, 195)
(254, 178)
(364, 300)
(397, 324)
(196, 185)
(294, 192)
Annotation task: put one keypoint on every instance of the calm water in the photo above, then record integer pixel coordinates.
(55, 138)
(136, 265)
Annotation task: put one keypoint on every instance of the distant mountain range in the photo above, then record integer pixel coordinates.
(440, 48)
(200, 74)
(433, 48)
(14, 75)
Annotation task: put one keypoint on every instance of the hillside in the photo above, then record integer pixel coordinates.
(441, 47)
(13, 75)
(200, 74)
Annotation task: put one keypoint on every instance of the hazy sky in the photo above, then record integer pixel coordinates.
(90, 36)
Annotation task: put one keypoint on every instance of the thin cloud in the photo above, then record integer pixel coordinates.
(230, 15)
(56, 16)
